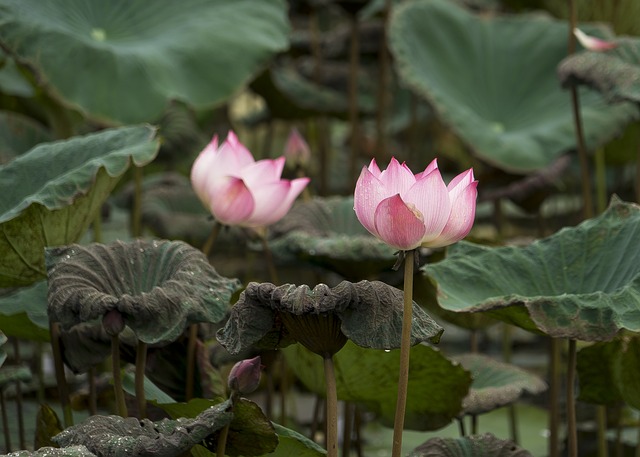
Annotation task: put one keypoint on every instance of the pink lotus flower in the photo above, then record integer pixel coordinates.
(237, 189)
(592, 43)
(407, 211)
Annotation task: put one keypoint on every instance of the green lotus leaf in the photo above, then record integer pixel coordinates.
(493, 80)
(12, 82)
(626, 371)
(23, 312)
(134, 58)
(53, 192)
(368, 312)
(495, 384)
(18, 134)
(293, 444)
(3, 354)
(11, 374)
(615, 73)
(250, 431)
(159, 287)
(369, 377)
(326, 232)
(485, 445)
(47, 451)
(582, 282)
(595, 367)
(122, 437)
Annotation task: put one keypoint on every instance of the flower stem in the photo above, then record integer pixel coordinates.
(572, 431)
(222, 441)
(215, 230)
(141, 363)
(405, 348)
(117, 376)
(332, 407)
(136, 209)
(273, 273)
(63, 389)
(554, 397)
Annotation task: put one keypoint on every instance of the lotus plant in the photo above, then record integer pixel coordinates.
(408, 211)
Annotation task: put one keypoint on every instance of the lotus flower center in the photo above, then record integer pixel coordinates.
(416, 212)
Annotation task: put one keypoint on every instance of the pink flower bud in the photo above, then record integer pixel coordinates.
(113, 322)
(297, 150)
(244, 377)
(593, 43)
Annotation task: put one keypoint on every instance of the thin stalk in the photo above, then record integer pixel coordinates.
(474, 424)
(273, 273)
(347, 424)
(572, 431)
(318, 406)
(405, 351)
(332, 407)
(575, 106)
(61, 380)
(554, 397)
(121, 405)
(506, 358)
(192, 345)
(5, 422)
(638, 172)
(461, 427)
(601, 181)
(473, 341)
(141, 364)
(213, 236)
(18, 361)
(601, 419)
(40, 395)
(354, 64)
(136, 209)
(284, 389)
(222, 441)
(93, 393)
(357, 425)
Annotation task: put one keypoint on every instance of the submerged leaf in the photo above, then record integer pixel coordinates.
(369, 377)
(486, 445)
(495, 384)
(159, 286)
(582, 282)
(368, 312)
(51, 194)
(492, 79)
(115, 436)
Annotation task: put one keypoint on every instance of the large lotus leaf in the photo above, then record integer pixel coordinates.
(134, 58)
(116, 436)
(23, 312)
(615, 73)
(368, 312)
(51, 194)
(495, 384)
(12, 82)
(18, 134)
(71, 451)
(582, 282)
(493, 80)
(626, 371)
(595, 367)
(250, 432)
(437, 385)
(293, 444)
(159, 287)
(485, 445)
(326, 232)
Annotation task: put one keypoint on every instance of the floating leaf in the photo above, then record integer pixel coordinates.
(134, 59)
(626, 371)
(250, 432)
(595, 365)
(158, 286)
(368, 312)
(495, 384)
(116, 436)
(615, 73)
(53, 192)
(485, 445)
(326, 232)
(71, 451)
(493, 80)
(370, 377)
(582, 282)
(23, 312)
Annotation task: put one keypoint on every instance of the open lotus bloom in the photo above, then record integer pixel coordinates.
(592, 43)
(237, 189)
(407, 211)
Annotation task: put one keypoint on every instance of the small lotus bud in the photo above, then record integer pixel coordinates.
(297, 150)
(245, 376)
(113, 322)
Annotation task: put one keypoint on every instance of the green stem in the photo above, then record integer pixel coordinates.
(63, 389)
(117, 377)
(141, 364)
(601, 418)
(405, 348)
(273, 273)
(601, 180)
(136, 209)
(5, 421)
(222, 441)
(554, 397)
(19, 404)
(215, 231)
(572, 431)
(93, 393)
(332, 407)
(506, 357)
(347, 415)
(191, 361)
